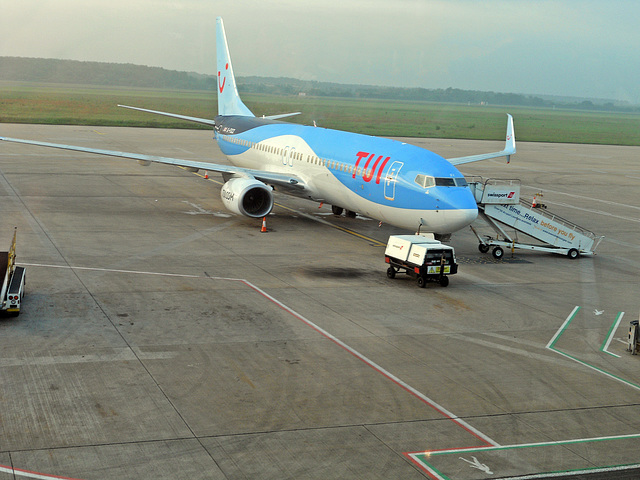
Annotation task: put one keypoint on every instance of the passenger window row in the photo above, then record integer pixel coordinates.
(343, 167)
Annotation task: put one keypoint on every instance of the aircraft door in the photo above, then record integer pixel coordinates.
(288, 154)
(390, 180)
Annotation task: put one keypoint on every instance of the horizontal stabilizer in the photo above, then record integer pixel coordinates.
(204, 121)
(282, 115)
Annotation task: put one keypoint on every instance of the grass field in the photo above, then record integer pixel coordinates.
(86, 105)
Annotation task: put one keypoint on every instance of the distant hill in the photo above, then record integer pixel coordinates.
(19, 69)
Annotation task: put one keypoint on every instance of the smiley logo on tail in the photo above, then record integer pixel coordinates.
(224, 80)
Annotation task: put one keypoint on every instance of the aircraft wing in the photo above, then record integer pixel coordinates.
(271, 178)
(509, 148)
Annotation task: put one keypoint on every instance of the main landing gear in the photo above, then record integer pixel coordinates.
(337, 211)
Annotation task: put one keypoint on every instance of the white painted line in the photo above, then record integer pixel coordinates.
(551, 347)
(433, 473)
(124, 355)
(599, 212)
(605, 348)
(69, 267)
(528, 445)
(573, 473)
(24, 473)
(133, 272)
(590, 199)
(562, 327)
(415, 457)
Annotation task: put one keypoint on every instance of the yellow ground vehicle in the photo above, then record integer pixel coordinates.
(13, 280)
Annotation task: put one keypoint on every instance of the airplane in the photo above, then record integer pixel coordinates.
(388, 180)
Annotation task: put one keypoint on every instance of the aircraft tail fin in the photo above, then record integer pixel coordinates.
(229, 102)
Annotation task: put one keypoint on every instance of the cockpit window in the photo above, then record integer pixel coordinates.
(425, 181)
(461, 182)
(445, 182)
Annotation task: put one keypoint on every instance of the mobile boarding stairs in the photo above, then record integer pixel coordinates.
(499, 204)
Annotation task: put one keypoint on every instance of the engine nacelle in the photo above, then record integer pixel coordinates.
(248, 197)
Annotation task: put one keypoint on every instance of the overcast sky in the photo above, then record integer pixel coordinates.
(583, 48)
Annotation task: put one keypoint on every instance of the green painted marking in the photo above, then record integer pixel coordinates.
(607, 339)
(435, 473)
(555, 338)
(551, 346)
(422, 457)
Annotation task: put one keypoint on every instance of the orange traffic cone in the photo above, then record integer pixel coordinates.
(206, 175)
(264, 225)
(534, 204)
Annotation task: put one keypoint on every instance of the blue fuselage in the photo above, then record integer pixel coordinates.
(386, 179)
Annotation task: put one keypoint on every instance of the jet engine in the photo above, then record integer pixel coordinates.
(247, 196)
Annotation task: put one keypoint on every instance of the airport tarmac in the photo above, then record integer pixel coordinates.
(163, 337)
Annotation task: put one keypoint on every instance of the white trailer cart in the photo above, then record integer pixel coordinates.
(422, 257)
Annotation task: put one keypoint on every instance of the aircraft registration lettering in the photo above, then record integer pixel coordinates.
(367, 174)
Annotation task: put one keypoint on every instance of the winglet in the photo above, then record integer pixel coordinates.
(229, 102)
(509, 148)
(510, 142)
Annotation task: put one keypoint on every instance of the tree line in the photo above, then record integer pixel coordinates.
(19, 69)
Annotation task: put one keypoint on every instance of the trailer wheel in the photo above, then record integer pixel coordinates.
(422, 282)
(497, 253)
(391, 272)
(483, 247)
(444, 281)
(573, 254)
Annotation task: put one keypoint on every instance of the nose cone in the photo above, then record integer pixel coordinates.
(455, 220)
(458, 209)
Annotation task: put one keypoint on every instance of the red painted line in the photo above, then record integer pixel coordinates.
(439, 450)
(421, 466)
(26, 473)
(487, 442)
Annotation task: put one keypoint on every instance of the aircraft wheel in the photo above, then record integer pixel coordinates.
(444, 281)
(422, 282)
(483, 247)
(350, 214)
(573, 254)
(336, 210)
(497, 253)
(391, 272)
